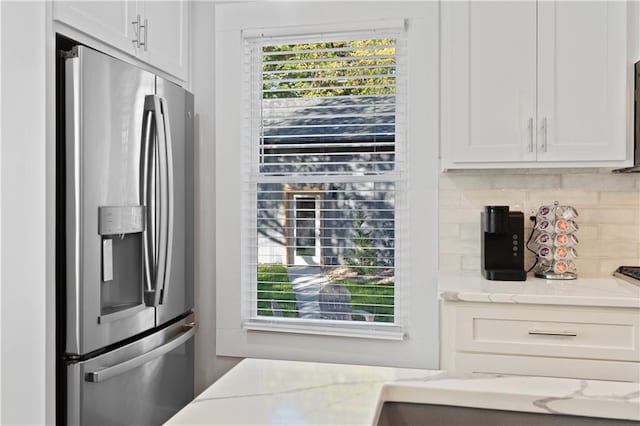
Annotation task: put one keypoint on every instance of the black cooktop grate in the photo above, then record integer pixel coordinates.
(629, 271)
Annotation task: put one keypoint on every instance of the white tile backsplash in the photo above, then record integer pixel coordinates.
(573, 197)
(526, 181)
(449, 198)
(608, 215)
(608, 205)
(616, 232)
(599, 181)
(621, 198)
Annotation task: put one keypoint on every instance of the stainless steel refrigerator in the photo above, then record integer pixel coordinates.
(126, 323)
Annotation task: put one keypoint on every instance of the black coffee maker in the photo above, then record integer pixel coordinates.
(502, 253)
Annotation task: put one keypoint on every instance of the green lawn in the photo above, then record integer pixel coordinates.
(273, 284)
(365, 295)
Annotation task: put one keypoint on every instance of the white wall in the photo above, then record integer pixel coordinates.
(1, 213)
(23, 216)
(50, 295)
(208, 366)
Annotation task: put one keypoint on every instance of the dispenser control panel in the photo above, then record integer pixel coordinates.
(120, 220)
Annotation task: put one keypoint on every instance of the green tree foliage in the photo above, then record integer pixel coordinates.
(362, 256)
(340, 68)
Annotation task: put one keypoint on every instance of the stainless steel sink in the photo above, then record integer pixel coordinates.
(405, 413)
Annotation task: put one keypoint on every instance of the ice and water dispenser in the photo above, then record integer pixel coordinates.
(121, 230)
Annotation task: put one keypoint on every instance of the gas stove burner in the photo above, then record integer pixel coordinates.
(628, 273)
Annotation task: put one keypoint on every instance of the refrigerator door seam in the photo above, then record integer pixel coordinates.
(73, 203)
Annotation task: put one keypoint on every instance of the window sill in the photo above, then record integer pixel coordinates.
(358, 329)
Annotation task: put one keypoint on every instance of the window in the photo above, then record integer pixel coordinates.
(389, 165)
(326, 146)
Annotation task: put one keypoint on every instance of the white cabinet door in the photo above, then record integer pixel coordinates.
(113, 23)
(166, 36)
(488, 81)
(107, 21)
(582, 80)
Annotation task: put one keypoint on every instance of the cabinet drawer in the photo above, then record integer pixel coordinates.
(624, 371)
(550, 331)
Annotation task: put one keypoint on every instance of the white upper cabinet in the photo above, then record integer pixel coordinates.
(582, 80)
(152, 31)
(109, 21)
(489, 80)
(534, 84)
(166, 36)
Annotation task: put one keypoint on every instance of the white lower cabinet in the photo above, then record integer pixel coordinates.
(599, 343)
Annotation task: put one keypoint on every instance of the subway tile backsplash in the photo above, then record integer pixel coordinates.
(608, 205)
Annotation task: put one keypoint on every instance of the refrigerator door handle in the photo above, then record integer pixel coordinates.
(157, 192)
(147, 199)
(115, 370)
(168, 151)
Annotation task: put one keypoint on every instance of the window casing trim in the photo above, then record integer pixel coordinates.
(326, 31)
(252, 94)
(359, 329)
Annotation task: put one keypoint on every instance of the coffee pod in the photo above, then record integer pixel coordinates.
(544, 239)
(566, 212)
(545, 253)
(565, 240)
(564, 253)
(561, 240)
(546, 212)
(562, 225)
(560, 267)
(544, 225)
(565, 226)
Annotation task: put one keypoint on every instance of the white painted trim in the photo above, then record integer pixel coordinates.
(24, 213)
(72, 33)
(50, 222)
(1, 204)
(450, 165)
(322, 30)
(320, 327)
(207, 367)
(420, 348)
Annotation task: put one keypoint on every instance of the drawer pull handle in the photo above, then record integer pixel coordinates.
(553, 333)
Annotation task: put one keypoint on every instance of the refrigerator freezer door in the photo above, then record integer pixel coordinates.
(143, 383)
(177, 294)
(104, 104)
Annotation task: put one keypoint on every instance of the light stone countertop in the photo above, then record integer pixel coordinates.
(472, 287)
(270, 392)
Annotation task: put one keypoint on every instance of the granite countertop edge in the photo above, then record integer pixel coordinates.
(605, 292)
(272, 392)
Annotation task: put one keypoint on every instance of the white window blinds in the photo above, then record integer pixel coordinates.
(325, 169)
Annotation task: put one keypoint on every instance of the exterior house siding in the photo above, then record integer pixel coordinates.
(368, 205)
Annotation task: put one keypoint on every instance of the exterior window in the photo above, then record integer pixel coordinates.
(326, 170)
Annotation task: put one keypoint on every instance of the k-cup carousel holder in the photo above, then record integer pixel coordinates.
(555, 242)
